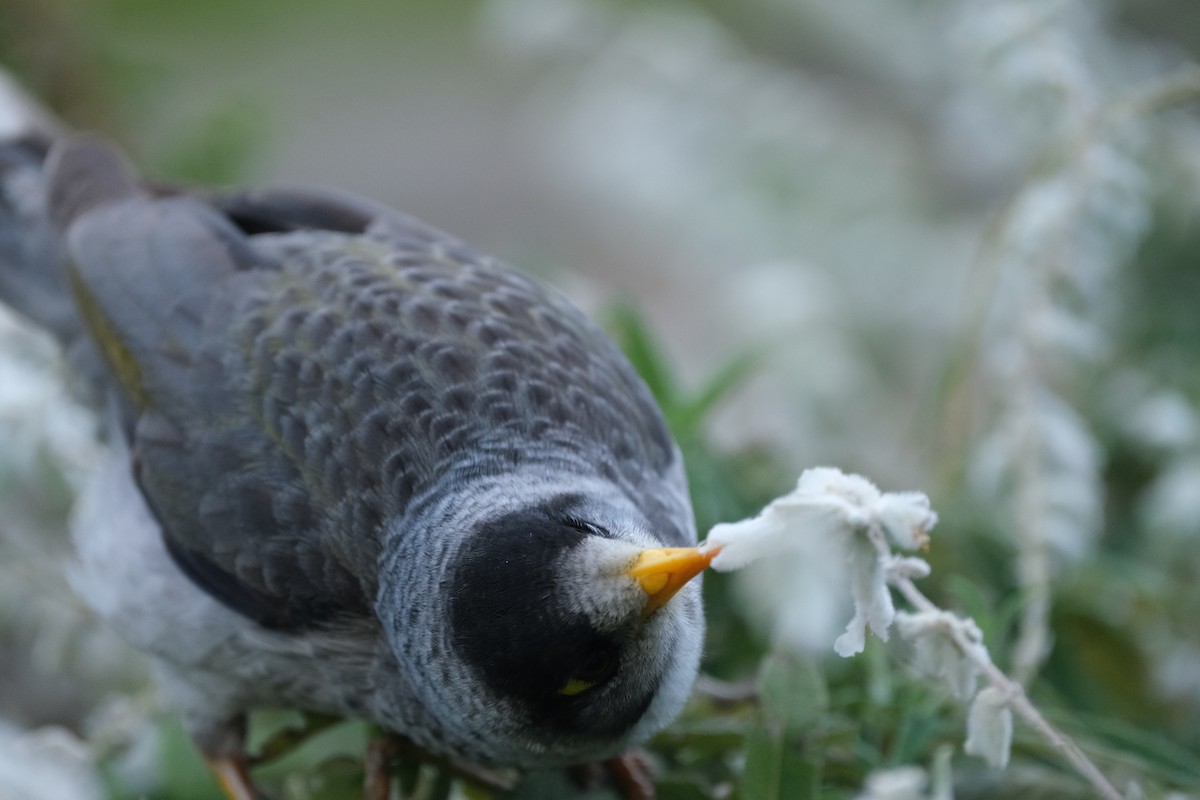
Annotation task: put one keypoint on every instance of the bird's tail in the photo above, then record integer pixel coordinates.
(33, 279)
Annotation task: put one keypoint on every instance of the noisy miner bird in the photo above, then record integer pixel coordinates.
(359, 469)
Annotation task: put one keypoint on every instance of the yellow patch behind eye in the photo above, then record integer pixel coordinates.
(575, 686)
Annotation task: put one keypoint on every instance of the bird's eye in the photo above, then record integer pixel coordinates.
(597, 668)
(575, 686)
(583, 526)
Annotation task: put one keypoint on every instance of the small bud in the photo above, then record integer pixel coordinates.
(906, 567)
(906, 518)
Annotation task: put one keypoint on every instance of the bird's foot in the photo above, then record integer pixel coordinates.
(222, 745)
(232, 768)
(377, 768)
(233, 775)
(630, 772)
(389, 749)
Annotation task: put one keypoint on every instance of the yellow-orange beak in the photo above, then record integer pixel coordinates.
(662, 571)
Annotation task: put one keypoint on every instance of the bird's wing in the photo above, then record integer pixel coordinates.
(160, 283)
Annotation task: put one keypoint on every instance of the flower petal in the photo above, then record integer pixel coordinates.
(989, 727)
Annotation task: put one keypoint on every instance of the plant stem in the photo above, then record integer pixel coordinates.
(1019, 702)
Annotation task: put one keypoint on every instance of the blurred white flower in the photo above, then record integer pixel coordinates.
(1163, 419)
(47, 764)
(989, 727)
(528, 28)
(124, 725)
(37, 417)
(1176, 665)
(1064, 331)
(1078, 217)
(1115, 197)
(1024, 52)
(18, 113)
(1039, 215)
(1172, 502)
(900, 783)
(1061, 500)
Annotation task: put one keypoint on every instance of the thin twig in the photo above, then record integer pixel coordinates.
(1018, 701)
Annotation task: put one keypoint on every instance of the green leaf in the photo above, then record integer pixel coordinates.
(686, 419)
(276, 733)
(338, 778)
(781, 761)
(1151, 752)
(776, 770)
(632, 334)
(705, 737)
(680, 789)
(219, 147)
(184, 774)
(794, 697)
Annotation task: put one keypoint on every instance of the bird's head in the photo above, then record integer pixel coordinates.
(570, 633)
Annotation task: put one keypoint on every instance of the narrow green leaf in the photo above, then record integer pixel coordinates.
(793, 692)
(631, 333)
(776, 768)
(690, 414)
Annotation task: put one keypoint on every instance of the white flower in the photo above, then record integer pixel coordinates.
(853, 494)
(937, 653)
(813, 523)
(1165, 419)
(900, 783)
(19, 114)
(831, 513)
(826, 502)
(47, 764)
(821, 506)
(906, 568)
(1171, 504)
(872, 601)
(906, 518)
(798, 599)
(989, 727)
(37, 417)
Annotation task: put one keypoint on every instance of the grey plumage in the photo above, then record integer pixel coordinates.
(330, 406)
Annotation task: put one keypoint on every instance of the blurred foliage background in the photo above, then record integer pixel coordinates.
(950, 244)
